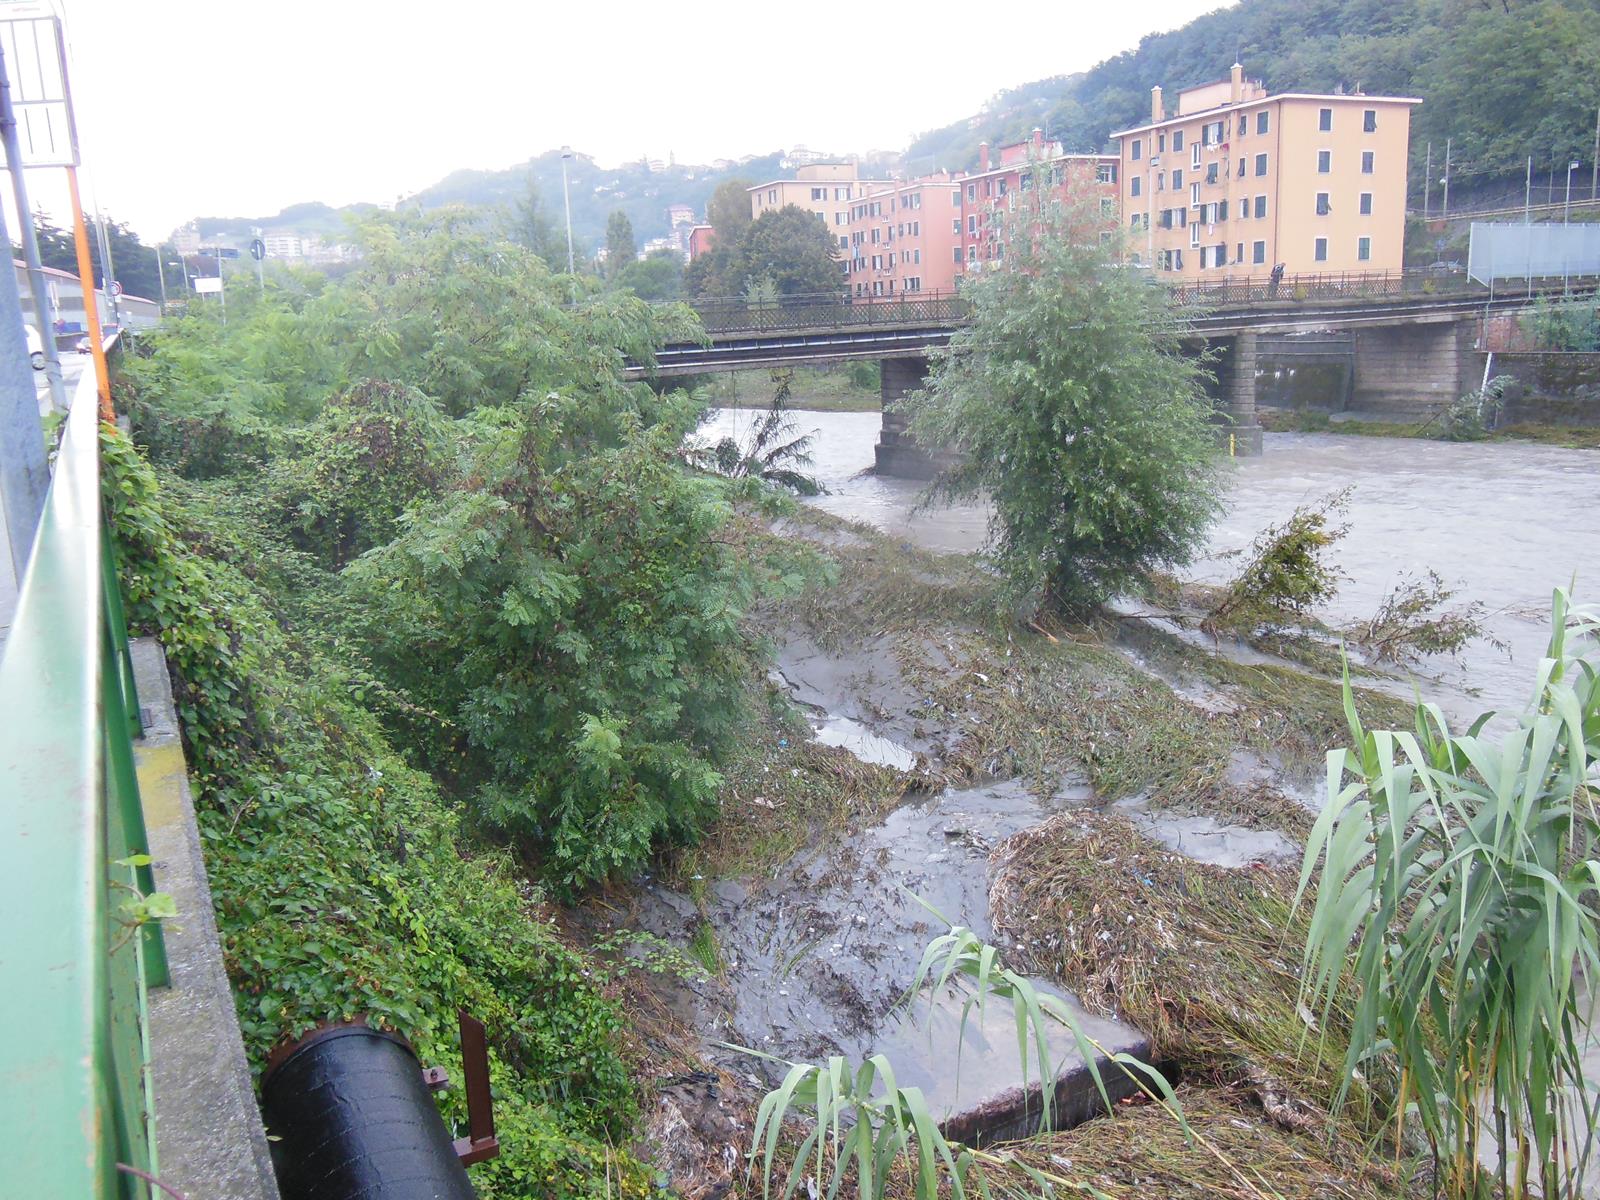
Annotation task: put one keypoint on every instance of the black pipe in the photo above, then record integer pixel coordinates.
(350, 1118)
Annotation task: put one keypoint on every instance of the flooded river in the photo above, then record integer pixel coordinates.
(1502, 524)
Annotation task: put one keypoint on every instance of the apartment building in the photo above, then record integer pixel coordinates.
(827, 189)
(904, 238)
(1238, 181)
(1001, 179)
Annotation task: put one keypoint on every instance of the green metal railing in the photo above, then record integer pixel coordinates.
(75, 1110)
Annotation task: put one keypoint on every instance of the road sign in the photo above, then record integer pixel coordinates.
(258, 249)
(116, 287)
(30, 38)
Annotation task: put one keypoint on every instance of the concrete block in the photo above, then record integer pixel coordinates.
(209, 1137)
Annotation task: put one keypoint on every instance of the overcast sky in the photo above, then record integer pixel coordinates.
(229, 108)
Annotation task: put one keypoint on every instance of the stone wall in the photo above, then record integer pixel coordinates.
(1414, 370)
(1552, 387)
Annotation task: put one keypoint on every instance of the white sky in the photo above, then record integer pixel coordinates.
(226, 108)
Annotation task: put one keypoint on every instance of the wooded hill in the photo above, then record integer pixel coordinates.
(1504, 79)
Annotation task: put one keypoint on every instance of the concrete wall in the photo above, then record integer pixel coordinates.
(897, 455)
(1550, 387)
(1414, 370)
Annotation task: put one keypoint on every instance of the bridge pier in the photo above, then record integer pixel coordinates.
(1238, 380)
(897, 455)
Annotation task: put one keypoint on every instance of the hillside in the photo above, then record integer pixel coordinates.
(1504, 79)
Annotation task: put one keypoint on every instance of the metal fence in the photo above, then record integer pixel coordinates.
(75, 1105)
(736, 315)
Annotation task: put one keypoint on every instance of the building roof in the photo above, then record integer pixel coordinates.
(1271, 97)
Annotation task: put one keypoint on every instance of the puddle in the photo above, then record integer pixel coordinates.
(861, 692)
(862, 742)
(817, 958)
(1208, 840)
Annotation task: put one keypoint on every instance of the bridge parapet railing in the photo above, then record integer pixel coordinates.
(73, 1051)
(736, 314)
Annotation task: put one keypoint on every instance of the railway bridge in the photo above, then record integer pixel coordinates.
(1403, 343)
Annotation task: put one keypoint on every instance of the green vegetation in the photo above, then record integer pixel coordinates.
(1072, 409)
(1563, 324)
(620, 248)
(1287, 574)
(1464, 869)
(1279, 420)
(787, 250)
(775, 451)
(853, 387)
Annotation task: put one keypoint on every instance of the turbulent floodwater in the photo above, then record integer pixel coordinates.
(1502, 524)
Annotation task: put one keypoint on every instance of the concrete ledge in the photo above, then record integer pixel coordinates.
(209, 1137)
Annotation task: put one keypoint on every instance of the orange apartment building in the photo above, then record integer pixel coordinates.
(1237, 181)
(903, 238)
(827, 189)
(994, 188)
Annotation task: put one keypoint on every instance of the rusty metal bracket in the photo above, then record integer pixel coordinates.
(435, 1079)
(480, 1144)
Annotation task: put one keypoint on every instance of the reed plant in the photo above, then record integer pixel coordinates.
(1455, 916)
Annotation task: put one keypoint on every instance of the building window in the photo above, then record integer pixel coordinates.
(1323, 207)
(1183, 217)
(1324, 161)
(1194, 234)
(1105, 173)
(1161, 143)
(1258, 252)
(1133, 186)
(1177, 180)
(1321, 251)
(1136, 151)
(1261, 121)
(972, 254)
(1002, 187)
(1369, 121)
(1325, 119)
(1194, 195)
(1238, 252)
(1366, 204)
(1261, 207)
(1211, 173)
(999, 251)
(972, 192)
(1244, 125)
(955, 226)
(1364, 249)
(1161, 181)
(1366, 162)
(972, 225)
(1108, 206)
(1241, 167)
(1261, 164)
(1025, 183)
(1133, 221)
(1194, 154)
(772, 196)
(1177, 139)
(844, 242)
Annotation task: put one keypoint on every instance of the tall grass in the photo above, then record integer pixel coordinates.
(1457, 900)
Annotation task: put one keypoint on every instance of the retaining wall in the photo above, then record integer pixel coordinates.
(1552, 387)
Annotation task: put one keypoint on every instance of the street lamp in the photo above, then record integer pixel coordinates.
(1567, 204)
(566, 199)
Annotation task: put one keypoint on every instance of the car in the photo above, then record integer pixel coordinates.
(1445, 268)
(35, 347)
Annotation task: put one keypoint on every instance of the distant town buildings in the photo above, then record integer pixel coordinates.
(701, 239)
(825, 189)
(64, 304)
(1237, 181)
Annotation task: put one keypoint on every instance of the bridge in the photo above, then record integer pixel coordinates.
(1399, 342)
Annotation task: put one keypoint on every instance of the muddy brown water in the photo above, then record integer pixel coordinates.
(1503, 524)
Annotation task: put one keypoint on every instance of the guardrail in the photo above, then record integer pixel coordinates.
(734, 314)
(75, 1098)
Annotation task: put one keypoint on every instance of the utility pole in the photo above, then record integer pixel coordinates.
(30, 244)
(1446, 214)
(566, 200)
(24, 475)
(1527, 195)
(1594, 165)
(1427, 183)
(161, 274)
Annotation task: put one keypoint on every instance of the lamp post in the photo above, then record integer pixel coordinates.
(1566, 208)
(566, 200)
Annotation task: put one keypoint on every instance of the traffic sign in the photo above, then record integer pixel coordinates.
(258, 249)
(116, 287)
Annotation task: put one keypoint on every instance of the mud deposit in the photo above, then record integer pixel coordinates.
(817, 958)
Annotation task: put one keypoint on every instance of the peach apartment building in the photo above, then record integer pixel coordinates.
(827, 189)
(1237, 181)
(904, 238)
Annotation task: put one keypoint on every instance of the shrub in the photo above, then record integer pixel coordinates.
(1287, 574)
(1068, 403)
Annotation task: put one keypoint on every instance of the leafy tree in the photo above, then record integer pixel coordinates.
(620, 250)
(1068, 404)
(790, 247)
(133, 262)
(531, 227)
(728, 211)
(658, 276)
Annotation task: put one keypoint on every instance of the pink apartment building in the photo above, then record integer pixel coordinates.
(903, 238)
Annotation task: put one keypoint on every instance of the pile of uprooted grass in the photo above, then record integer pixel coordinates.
(1204, 959)
(1238, 1150)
